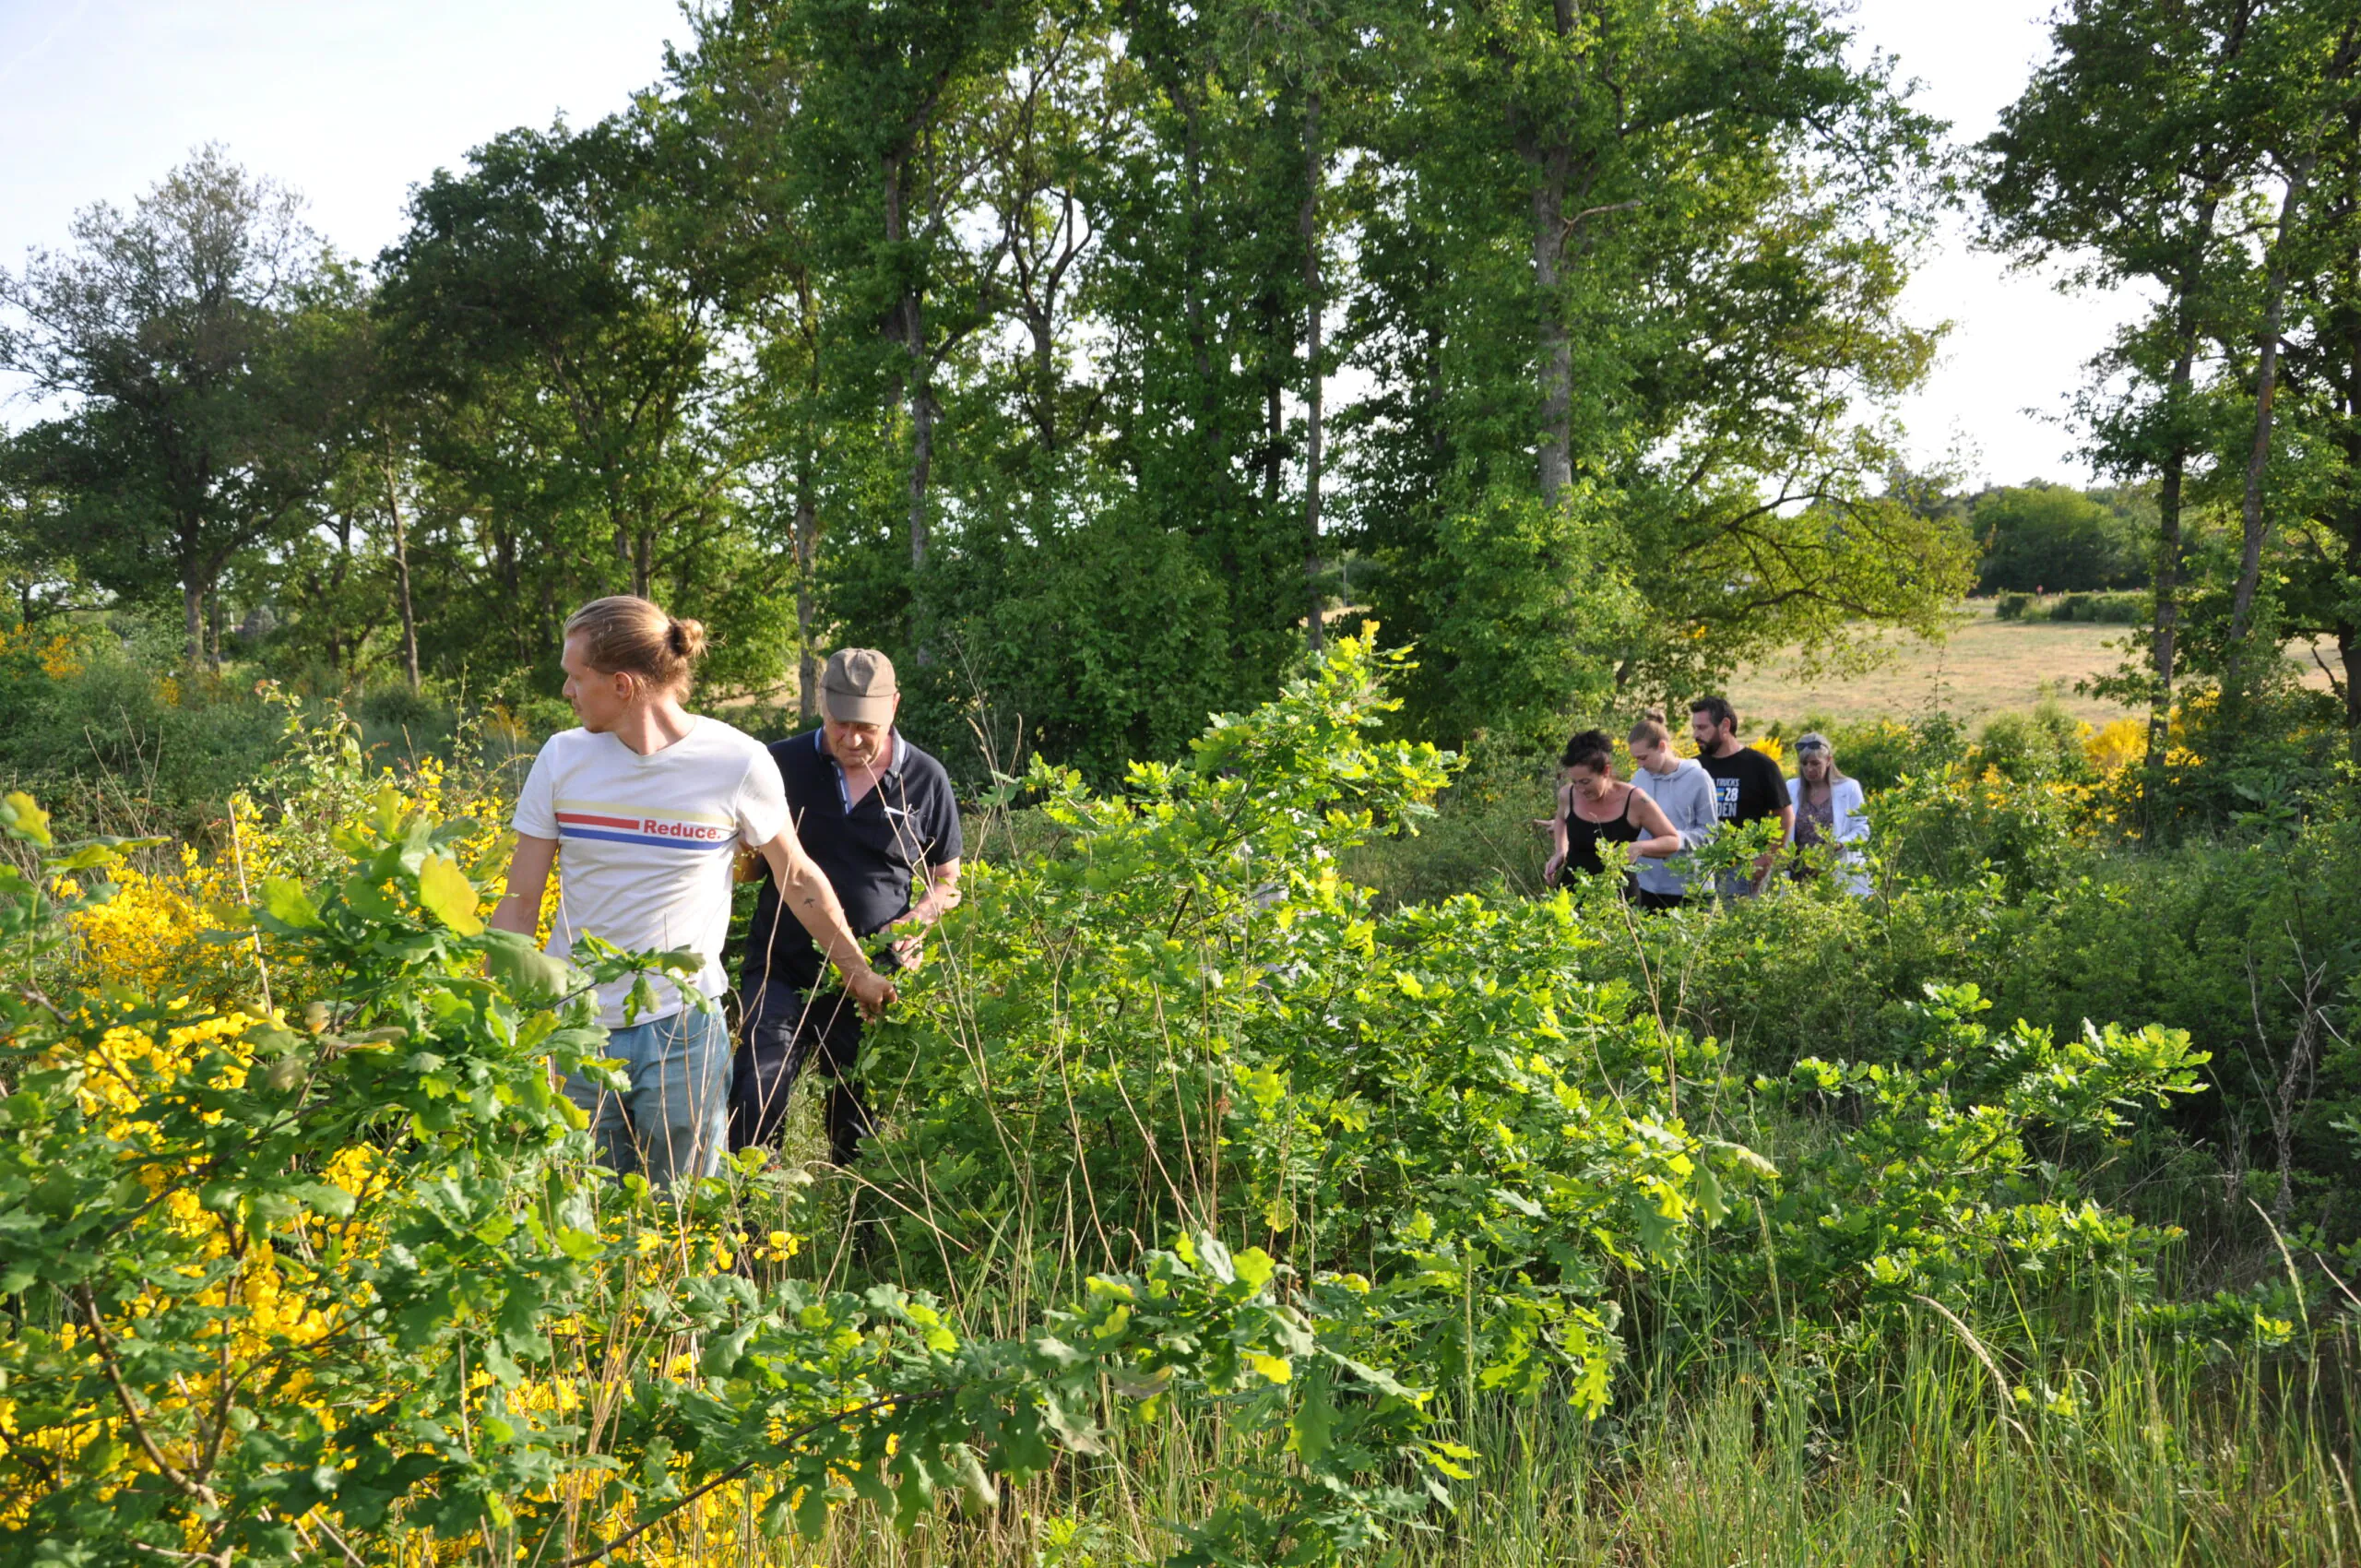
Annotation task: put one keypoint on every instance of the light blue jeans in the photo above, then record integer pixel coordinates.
(672, 1122)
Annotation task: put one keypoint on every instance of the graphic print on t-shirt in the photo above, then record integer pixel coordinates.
(655, 828)
(1726, 798)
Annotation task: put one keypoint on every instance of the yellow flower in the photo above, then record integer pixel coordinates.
(2116, 747)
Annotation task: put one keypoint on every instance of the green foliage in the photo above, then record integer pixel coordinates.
(1955, 1165)
(1185, 1012)
(2180, 149)
(120, 749)
(1009, 338)
(2047, 538)
(567, 295)
(345, 1266)
(354, 1282)
(1526, 607)
(2109, 609)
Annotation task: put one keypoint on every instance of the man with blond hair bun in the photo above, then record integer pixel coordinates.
(640, 810)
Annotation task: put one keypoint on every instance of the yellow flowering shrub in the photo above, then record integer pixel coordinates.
(57, 654)
(161, 932)
(2114, 746)
(336, 1280)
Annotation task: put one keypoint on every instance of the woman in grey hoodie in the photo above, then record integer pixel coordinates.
(1685, 794)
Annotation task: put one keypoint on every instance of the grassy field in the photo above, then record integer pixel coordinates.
(1986, 667)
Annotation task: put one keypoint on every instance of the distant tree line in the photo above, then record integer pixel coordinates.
(2044, 538)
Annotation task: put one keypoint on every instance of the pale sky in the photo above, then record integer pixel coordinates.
(351, 101)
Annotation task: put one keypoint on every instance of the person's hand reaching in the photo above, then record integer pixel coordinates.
(873, 991)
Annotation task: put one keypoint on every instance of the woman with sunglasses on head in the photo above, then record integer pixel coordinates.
(1595, 808)
(1828, 811)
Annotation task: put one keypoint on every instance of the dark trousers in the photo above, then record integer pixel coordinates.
(783, 1031)
(1656, 903)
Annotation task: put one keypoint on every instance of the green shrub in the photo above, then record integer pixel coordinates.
(125, 749)
(2028, 747)
(2051, 537)
(354, 1281)
(2109, 609)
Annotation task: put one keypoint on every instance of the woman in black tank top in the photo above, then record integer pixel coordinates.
(1595, 808)
(1583, 836)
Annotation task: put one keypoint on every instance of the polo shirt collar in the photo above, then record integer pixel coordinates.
(894, 750)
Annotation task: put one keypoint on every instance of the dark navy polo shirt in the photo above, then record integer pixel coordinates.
(869, 850)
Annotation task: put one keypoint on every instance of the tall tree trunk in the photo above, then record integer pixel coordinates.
(1272, 312)
(2348, 637)
(401, 578)
(1551, 164)
(2348, 619)
(192, 614)
(807, 511)
(922, 412)
(807, 549)
(1194, 306)
(1557, 466)
(2266, 385)
(2170, 548)
(1315, 370)
(909, 327)
(1275, 435)
(641, 556)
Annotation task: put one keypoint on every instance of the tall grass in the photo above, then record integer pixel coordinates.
(2068, 1427)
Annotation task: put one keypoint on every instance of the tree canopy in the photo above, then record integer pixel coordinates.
(1087, 358)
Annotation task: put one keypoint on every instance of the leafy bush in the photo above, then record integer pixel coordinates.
(93, 722)
(2107, 608)
(350, 1284)
(2027, 747)
(1956, 1163)
(334, 1277)
(1471, 1116)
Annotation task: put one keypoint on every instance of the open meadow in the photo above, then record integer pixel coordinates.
(1985, 667)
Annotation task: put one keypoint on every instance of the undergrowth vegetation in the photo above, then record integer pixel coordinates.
(1228, 1208)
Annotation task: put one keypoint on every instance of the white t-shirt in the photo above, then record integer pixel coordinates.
(646, 844)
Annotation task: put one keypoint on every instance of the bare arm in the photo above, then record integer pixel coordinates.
(803, 890)
(1663, 839)
(528, 873)
(1558, 836)
(941, 896)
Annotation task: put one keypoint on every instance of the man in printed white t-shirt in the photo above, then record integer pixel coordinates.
(641, 809)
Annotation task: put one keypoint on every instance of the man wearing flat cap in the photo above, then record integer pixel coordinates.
(876, 815)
